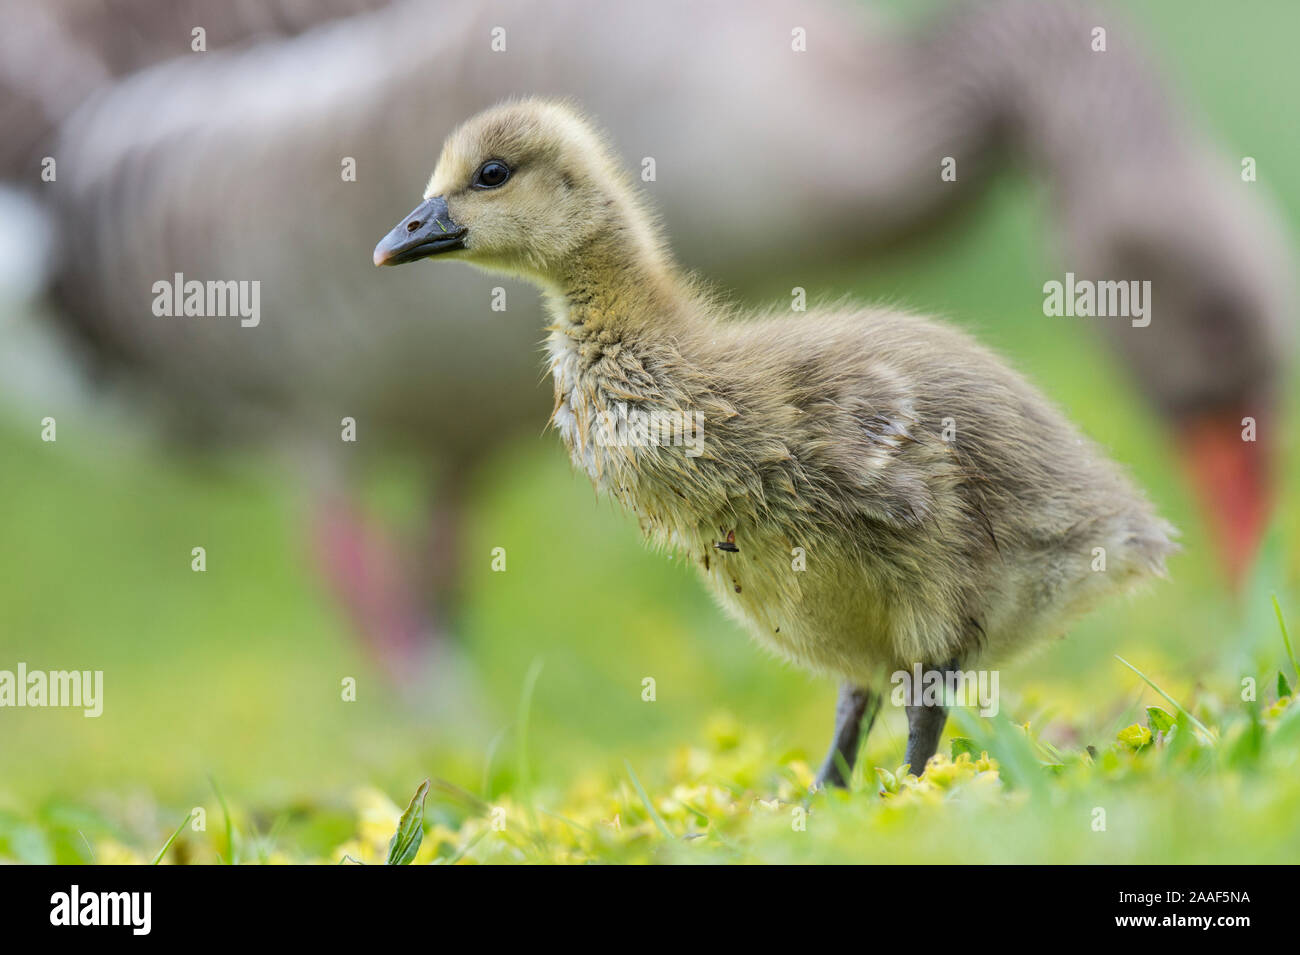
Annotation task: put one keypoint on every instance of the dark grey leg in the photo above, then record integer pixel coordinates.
(853, 705)
(924, 727)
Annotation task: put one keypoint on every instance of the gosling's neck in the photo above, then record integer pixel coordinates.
(617, 309)
(618, 288)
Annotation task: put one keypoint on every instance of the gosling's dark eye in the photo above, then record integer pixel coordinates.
(491, 174)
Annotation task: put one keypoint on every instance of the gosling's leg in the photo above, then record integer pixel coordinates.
(853, 705)
(924, 727)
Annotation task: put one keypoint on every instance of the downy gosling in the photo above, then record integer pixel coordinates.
(873, 491)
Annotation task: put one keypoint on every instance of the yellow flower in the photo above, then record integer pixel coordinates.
(1134, 737)
(1279, 707)
(377, 816)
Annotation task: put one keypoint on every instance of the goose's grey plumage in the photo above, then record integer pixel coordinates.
(56, 53)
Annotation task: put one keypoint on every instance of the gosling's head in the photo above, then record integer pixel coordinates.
(522, 188)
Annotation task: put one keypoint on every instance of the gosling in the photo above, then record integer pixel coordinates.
(873, 491)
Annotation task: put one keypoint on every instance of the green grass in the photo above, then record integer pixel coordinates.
(1154, 791)
(235, 675)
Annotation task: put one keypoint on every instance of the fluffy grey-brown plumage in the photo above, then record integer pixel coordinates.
(943, 507)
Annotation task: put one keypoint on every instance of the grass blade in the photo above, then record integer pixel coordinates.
(640, 790)
(1169, 699)
(1286, 637)
(230, 829)
(168, 844)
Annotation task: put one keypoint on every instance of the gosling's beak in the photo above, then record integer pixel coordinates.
(429, 230)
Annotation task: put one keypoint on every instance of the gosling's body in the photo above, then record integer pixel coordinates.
(875, 489)
(825, 449)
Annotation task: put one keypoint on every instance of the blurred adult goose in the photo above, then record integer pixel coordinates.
(55, 54)
(872, 491)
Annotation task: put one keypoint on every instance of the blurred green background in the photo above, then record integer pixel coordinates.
(236, 672)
